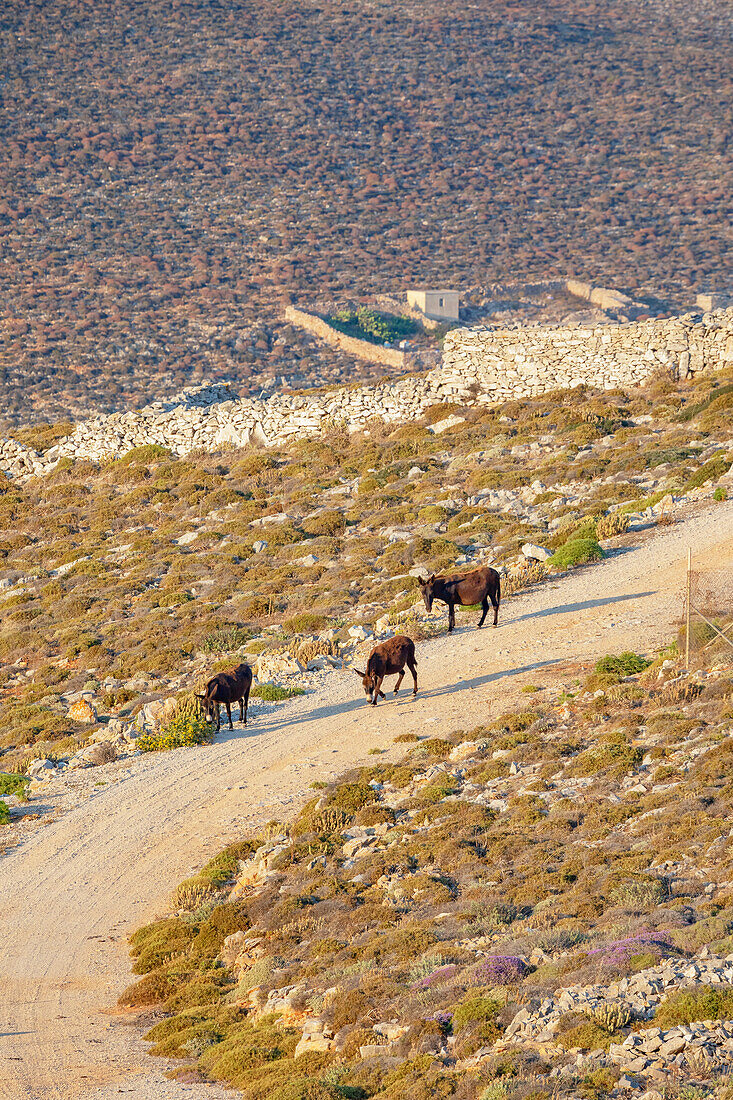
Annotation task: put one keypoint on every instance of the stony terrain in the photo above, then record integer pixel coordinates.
(415, 938)
(479, 367)
(174, 174)
(108, 852)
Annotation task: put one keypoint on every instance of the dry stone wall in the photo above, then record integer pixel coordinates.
(479, 365)
(362, 349)
(497, 364)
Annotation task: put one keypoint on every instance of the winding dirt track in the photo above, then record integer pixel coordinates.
(73, 891)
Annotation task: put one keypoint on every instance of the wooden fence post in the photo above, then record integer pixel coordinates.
(689, 593)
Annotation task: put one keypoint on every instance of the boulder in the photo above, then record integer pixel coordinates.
(535, 553)
(360, 633)
(444, 425)
(276, 664)
(41, 769)
(465, 750)
(100, 752)
(82, 711)
(259, 546)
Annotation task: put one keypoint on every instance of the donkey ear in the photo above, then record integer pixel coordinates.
(421, 581)
(358, 673)
(432, 577)
(199, 696)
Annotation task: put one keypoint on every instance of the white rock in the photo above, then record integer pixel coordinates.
(535, 553)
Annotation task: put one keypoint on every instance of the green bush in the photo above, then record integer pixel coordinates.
(475, 1007)
(720, 494)
(576, 552)
(370, 325)
(712, 470)
(225, 640)
(640, 893)
(273, 693)
(180, 732)
(625, 664)
(12, 783)
(703, 1002)
(4, 814)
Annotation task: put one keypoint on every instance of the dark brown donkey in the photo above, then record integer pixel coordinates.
(386, 659)
(227, 688)
(478, 586)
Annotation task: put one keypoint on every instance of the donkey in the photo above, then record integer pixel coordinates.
(227, 688)
(386, 659)
(478, 586)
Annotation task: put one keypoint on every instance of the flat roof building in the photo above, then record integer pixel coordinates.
(439, 305)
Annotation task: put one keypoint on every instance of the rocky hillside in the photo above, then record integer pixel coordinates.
(538, 907)
(125, 582)
(173, 174)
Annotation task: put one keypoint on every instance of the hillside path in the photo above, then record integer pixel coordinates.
(76, 887)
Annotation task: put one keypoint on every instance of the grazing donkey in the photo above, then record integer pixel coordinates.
(227, 688)
(384, 660)
(478, 586)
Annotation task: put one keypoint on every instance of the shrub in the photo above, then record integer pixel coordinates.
(613, 753)
(577, 1031)
(351, 797)
(720, 494)
(499, 970)
(180, 732)
(4, 813)
(307, 622)
(703, 1002)
(12, 784)
(576, 552)
(712, 470)
(615, 523)
(370, 325)
(274, 693)
(612, 668)
(476, 1007)
(639, 895)
(331, 522)
(225, 640)
(156, 943)
(618, 954)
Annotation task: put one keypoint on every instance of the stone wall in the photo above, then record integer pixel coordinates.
(486, 366)
(362, 349)
(496, 364)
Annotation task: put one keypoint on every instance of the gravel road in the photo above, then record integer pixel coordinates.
(75, 888)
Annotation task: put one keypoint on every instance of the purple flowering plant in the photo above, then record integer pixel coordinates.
(499, 970)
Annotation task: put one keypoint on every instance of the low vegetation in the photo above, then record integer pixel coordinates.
(103, 594)
(373, 326)
(476, 889)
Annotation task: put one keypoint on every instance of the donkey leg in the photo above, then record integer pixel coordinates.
(241, 709)
(413, 670)
(495, 602)
(485, 610)
(377, 690)
(246, 706)
(218, 717)
(399, 681)
(451, 617)
(229, 714)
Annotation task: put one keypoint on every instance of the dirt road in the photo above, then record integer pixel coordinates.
(73, 891)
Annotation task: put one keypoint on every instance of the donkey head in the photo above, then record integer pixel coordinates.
(369, 683)
(209, 706)
(428, 590)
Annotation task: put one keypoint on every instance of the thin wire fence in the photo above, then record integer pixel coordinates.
(708, 617)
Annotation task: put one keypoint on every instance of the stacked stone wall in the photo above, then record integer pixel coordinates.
(479, 365)
(362, 349)
(497, 364)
